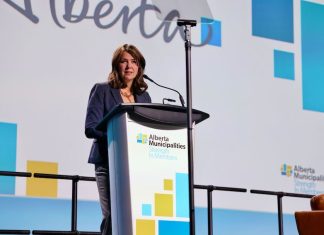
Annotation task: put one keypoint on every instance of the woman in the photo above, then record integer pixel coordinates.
(125, 85)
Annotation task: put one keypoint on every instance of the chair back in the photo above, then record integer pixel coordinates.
(312, 222)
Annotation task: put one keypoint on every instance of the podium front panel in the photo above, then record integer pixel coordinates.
(149, 179)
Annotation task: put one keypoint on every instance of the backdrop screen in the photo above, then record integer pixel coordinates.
(257, 69)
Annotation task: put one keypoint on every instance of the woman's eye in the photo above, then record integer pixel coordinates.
(126, 62)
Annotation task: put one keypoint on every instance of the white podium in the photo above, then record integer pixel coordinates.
(148, 167)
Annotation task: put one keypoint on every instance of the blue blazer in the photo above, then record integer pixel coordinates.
(103, 98)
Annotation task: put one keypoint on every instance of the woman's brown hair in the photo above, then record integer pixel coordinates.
(139, 86)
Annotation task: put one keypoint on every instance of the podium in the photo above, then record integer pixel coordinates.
(148, 167)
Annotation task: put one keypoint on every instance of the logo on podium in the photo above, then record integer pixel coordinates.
(141, 138)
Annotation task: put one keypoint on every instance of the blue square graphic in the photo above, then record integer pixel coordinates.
(273, 19)
(8, 144)
(211, 32)
(284, 65)
(146, 209)
(167, 227)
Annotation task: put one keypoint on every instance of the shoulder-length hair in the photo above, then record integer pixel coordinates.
(138, 86)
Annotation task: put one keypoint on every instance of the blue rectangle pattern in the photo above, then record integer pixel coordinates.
(54, 214)
(211, 32)
(182, 195)
(312, 31)
(284, 65)
(273, 19)
(8, 145)
(167, 227)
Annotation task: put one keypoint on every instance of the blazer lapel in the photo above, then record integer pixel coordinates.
(139, 98)
(116, 94)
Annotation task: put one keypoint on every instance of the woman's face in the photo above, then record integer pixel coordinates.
(128, 68)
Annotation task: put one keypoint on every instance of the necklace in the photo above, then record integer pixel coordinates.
(128, 97)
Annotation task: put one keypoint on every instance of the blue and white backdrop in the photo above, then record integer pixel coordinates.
(260, 76)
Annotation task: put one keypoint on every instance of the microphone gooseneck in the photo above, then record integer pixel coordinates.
(180, 96)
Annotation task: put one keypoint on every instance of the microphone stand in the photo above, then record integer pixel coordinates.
(180, 96)
(187, 33)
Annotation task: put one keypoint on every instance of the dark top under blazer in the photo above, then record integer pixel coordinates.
(103, 98)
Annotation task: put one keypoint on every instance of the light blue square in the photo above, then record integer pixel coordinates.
(146, 209)
(213, 27)
(273, 19)
(182, 195)
(8, 144)
(284, 65)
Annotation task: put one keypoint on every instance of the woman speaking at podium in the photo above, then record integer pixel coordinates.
(125, 85)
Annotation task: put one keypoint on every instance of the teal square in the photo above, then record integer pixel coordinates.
(211, 32)
(284, 66)
(147, 210)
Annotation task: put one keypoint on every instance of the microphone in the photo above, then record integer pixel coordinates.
(180, 96)
(167, 99)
